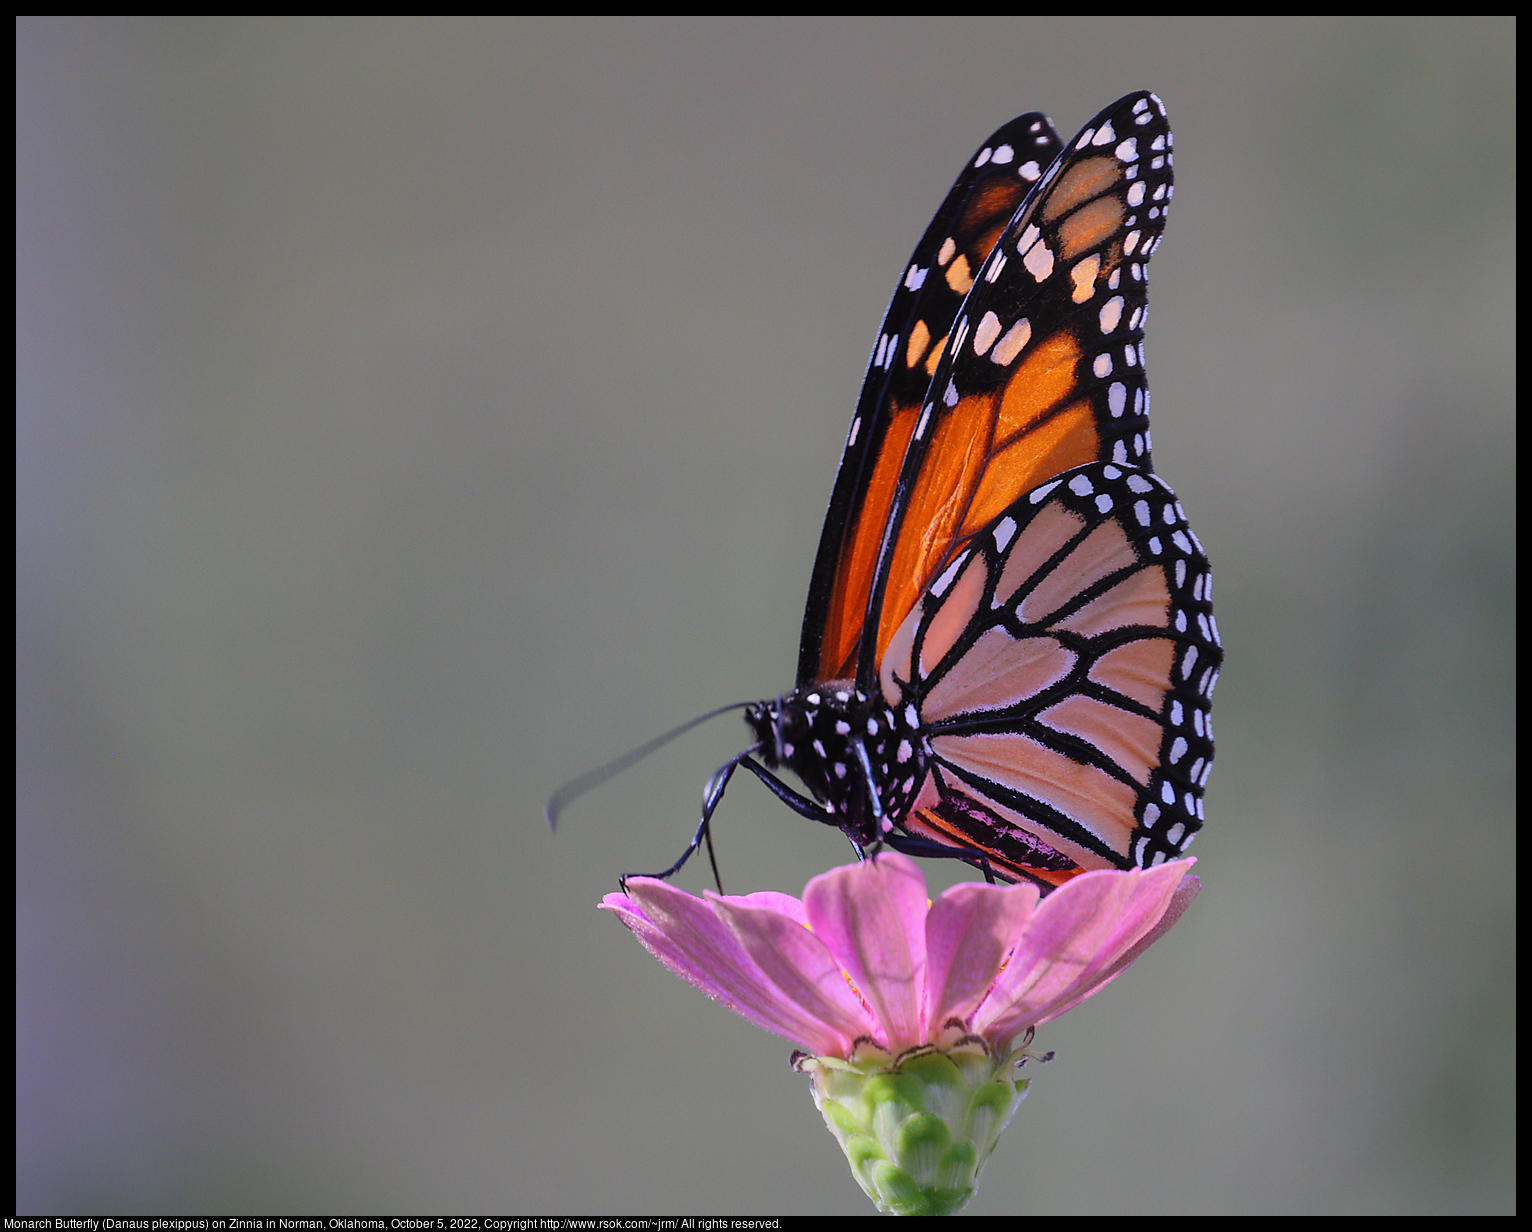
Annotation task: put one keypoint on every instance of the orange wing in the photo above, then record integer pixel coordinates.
(1042, 371)
(910, 345)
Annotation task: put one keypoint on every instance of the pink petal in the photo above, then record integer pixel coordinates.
(969, 931)
(786, 904)
(685, 935)
(1074, 943)
(1179, 901)
(872, 915)
(801, 967)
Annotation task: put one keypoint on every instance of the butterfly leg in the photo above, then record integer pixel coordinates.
(800, 804)
(907, 843)
(711, 795)
(803, 806)
(872, 785)
(912, 845)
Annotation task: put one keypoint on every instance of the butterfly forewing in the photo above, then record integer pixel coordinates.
(1062, 667)
(909, 347)
(1043, 368)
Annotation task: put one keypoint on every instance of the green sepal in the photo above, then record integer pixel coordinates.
(916, 1128)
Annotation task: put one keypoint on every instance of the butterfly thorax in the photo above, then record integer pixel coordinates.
(835, 738)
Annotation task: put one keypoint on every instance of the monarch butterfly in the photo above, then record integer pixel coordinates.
(1008, 652)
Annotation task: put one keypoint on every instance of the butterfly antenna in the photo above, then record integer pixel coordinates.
(577, 787)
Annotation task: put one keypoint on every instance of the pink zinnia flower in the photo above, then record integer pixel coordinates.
(875, 980)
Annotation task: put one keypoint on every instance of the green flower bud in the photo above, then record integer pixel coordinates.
(916, 1128)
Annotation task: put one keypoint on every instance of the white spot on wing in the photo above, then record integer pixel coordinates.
(984, 336)
(1011, 345)
(939, 587)
(1038, 261)
(1004, 530)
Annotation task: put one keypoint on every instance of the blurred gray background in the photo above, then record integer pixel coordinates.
(415, 413)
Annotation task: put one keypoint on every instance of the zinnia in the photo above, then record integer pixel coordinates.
(914, 1014)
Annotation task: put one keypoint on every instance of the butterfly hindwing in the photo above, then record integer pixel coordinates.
(1043, 369)
(1062, 667)
(910, 344)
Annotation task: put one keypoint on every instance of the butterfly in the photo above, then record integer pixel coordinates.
(1008, 652)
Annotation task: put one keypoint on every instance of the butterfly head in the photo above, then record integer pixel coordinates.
(808, 732)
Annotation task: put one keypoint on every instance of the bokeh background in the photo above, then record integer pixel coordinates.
(414, 413)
